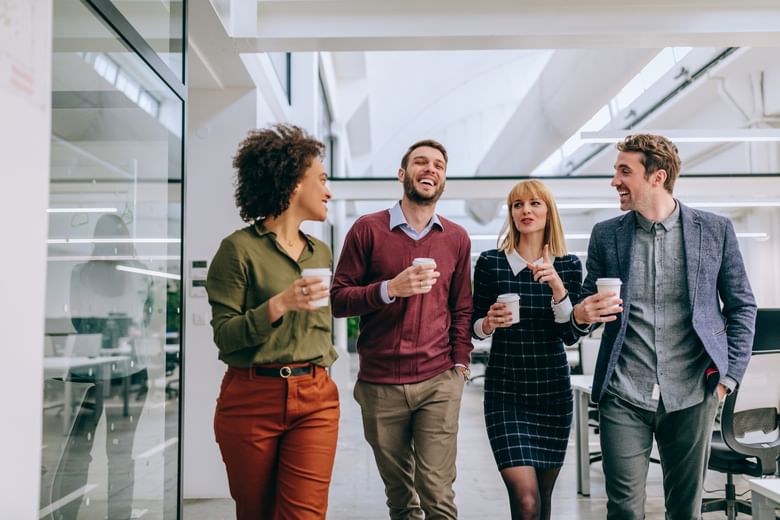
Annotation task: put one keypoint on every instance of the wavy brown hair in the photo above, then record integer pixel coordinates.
(425, 142)
(269, 165)
(658, 153)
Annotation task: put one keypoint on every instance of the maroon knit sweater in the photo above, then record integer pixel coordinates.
(412, 339)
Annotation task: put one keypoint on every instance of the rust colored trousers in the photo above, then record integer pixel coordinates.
(278, 441)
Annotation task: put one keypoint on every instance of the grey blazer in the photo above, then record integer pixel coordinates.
(715, 273)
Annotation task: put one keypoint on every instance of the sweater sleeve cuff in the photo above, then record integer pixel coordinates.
(478, 332)
(562, 310)
(461, 356)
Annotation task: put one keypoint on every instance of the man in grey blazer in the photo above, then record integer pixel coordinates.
(670, 349)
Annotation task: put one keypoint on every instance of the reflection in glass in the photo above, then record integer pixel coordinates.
(111, 401)
(160, 23)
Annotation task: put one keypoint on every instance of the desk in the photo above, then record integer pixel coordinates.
(582, 386)
(765, 497)
(54, 367)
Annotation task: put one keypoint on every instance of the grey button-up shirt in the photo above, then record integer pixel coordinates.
(660, 346)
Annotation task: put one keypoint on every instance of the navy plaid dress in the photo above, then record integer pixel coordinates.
(528, 398)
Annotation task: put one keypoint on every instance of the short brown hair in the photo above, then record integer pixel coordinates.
(269, 165)
(425, 142)
(658, 153)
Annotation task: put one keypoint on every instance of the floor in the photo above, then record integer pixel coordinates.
(357, 493)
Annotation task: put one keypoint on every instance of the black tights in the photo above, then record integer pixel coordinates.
(530, 491)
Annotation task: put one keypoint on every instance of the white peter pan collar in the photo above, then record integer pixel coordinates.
(517, 263)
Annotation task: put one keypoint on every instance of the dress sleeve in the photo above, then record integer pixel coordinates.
(484, 292)
(571, 275)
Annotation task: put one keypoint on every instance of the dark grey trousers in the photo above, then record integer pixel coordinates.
(683, 439)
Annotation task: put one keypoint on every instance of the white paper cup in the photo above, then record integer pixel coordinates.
(512, 301)
(426, 262)
(323, 274)
(605, 285)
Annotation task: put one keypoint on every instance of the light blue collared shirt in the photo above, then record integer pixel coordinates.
(397, 219)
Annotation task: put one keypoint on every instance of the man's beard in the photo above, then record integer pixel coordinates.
(418, 198)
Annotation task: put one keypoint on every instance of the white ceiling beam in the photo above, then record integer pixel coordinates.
(340, 25)
(218, 64)
(758, 191)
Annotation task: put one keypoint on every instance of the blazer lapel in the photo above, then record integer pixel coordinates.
(624, 243)
(691, 230)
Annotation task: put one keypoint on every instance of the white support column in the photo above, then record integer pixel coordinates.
(25, 136)
(218, 121)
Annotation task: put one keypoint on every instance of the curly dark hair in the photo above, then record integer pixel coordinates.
(658, 153)
(269, 165)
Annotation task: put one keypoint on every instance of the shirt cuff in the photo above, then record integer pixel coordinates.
(478, 332)
(385, 295)
(582, 330)
(729, 383)
(562, 310)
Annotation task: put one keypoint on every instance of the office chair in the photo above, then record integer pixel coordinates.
(748, 442)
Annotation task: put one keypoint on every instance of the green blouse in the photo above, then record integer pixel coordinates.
(249, 268)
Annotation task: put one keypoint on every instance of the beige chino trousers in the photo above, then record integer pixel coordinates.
(413, 430)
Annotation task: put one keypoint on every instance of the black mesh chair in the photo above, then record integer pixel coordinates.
(748, 442)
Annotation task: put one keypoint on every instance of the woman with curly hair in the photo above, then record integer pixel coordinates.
(277, 413)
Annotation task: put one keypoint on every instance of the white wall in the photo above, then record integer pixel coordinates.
(25, 86)
(218, 121)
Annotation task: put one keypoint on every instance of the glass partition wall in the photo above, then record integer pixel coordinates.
(112, 332)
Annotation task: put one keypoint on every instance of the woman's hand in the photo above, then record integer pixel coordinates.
(297, 297)
(546, 273)
(499, 316)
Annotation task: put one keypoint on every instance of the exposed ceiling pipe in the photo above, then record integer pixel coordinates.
(666, 99)
(729, 98)
(572, 87)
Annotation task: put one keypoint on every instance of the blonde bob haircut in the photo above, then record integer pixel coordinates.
(509, 236)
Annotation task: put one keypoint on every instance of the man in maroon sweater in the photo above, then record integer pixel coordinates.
(415, 342)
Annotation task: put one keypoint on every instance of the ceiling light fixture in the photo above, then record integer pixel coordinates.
(703, 135)
(148, 272)
(113, 241)
(81, 210)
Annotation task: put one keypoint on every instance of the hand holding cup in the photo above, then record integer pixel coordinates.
(505, 312)
(418, 278)
(602, 307)
(304, 294)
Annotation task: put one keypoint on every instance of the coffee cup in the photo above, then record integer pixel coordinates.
(605, 285)
(512, 301)
(323, 274)
(429, 263)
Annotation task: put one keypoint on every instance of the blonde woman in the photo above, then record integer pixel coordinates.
(528, 400)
